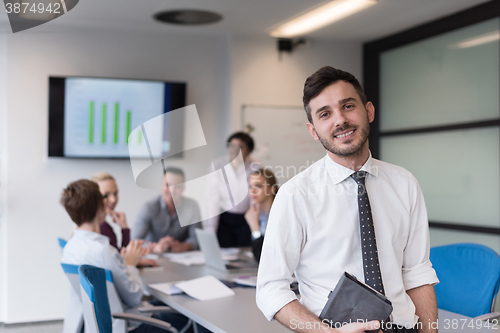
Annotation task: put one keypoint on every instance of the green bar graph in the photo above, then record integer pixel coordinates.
(103, 124)
(127, 132)
(116, 124)
(91, 122)
(111, 126)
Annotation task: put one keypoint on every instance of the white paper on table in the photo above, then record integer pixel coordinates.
(168, 288)
(186, 258)
(151, 256)
(152, 269)
(205, 288)
(246, 280)
(249, 254)
(230, 253)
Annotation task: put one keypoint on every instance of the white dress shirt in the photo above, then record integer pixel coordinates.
(90, 248)
(217, 199)
(313, 231)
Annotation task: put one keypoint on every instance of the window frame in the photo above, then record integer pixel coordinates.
(371, 77)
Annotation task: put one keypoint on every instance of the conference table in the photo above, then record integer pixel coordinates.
(234, 314)
(239, 313)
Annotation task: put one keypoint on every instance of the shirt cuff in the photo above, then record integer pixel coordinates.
(134, 272)
(270, 302)
(419, 275)
(256, 234)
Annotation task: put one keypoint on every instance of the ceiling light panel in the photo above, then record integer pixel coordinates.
(320, 17)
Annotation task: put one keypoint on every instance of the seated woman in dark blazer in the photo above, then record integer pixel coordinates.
(115, 224)
(263, 189)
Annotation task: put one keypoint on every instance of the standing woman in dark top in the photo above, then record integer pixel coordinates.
(229, 224)
(263, 189)
(115, 226)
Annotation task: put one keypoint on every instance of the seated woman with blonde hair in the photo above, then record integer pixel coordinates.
(263, 189)
(115, 224)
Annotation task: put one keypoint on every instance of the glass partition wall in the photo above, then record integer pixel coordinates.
(436, 89)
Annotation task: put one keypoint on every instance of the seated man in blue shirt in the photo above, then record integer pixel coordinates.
(159, 219)
(84, 203)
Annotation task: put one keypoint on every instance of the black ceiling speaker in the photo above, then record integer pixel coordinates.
(188, 17)
(289, 44)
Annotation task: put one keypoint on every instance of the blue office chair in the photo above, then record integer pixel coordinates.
(62, 242)
(73, 320)
(96, 310)
(469, 276)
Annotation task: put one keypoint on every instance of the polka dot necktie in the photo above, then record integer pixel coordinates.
(371, 267)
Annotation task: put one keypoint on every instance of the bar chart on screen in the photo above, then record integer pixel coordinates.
(111, 132)
(101, 114)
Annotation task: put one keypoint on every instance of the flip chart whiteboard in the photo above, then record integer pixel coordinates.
(282, 141)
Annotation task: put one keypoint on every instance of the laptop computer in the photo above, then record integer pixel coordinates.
(209, 246)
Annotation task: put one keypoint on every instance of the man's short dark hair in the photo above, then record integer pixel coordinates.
(247, 139)
(324, 77)
(82, 199)
(175, 171)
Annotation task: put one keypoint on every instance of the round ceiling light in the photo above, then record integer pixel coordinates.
(188, 17)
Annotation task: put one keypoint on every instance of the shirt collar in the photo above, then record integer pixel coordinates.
(163, 205)
(78, 233)
(339, 173)
(263, 215)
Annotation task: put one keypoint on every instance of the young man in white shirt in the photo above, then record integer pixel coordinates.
(314, 224)
(84, 203)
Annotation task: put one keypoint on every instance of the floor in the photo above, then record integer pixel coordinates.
(40, 327)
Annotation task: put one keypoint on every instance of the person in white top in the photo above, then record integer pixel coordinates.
(84, 204)
(313, 229)
(230, 226)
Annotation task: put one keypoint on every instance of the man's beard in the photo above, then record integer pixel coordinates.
(349, 150)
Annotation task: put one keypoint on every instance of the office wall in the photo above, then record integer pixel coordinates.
(3, 188)
(260, 77)
(222, 74)
(32, 285)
